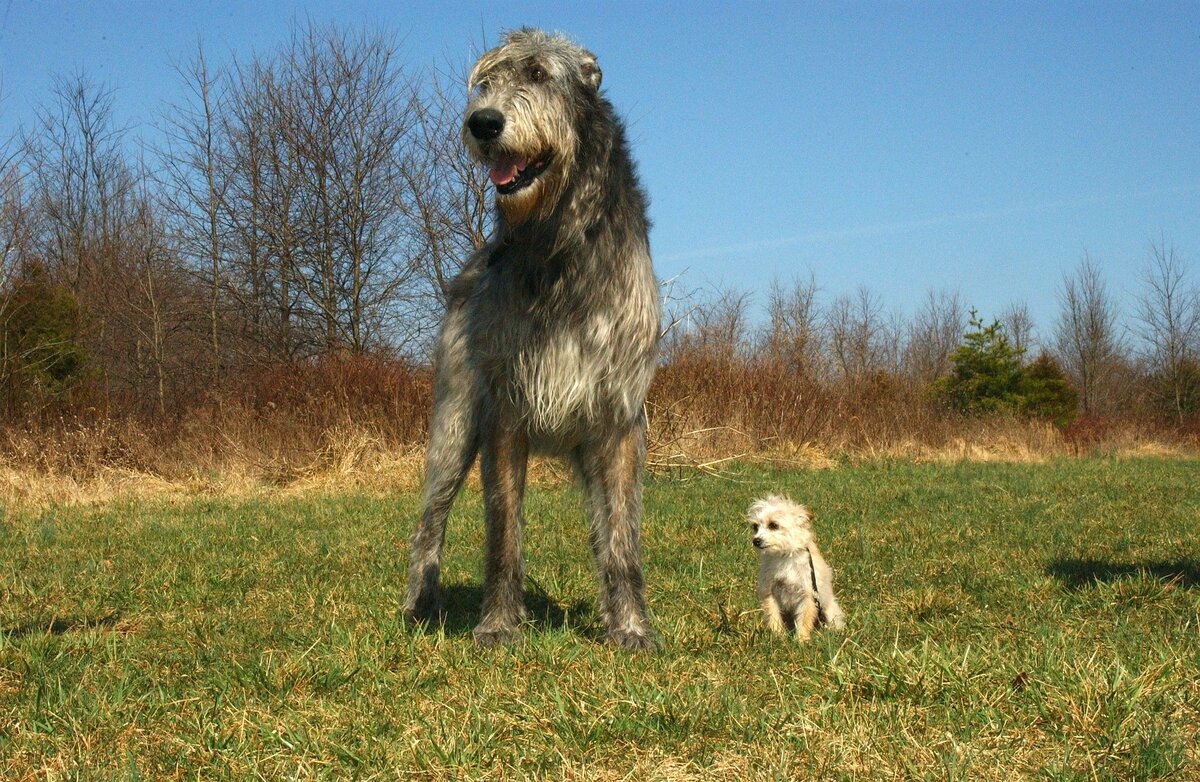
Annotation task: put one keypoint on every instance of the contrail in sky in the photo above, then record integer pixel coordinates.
(902, 226)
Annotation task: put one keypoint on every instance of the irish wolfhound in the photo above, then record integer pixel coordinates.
(550, 334)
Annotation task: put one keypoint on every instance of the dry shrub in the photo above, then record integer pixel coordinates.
(992, 439)
(705, 409)
(360, 422)
(295, 420)
(354, 419)
(81, 448)
(335, 389)
(1088, 431)
(1111, 436)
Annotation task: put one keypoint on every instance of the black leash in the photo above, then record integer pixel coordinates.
(812, 569)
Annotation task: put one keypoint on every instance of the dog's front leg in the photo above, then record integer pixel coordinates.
(806, 618)
(611, 472)
(453, 441)
(504, 452)
(830, 608)
(452, 446)
(770, 607)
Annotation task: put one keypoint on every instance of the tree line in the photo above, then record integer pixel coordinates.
(314, 201)
(310, 201)
(1094, 361)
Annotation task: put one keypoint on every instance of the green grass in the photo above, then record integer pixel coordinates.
(1005, 621)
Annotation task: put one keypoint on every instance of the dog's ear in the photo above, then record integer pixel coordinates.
(591, 72)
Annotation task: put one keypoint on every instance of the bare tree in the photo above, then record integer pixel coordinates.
(715, 327)
(16, 220)
(1168, 315)
(84, 185)
(1018, 325)
(15, 242)
(793, 337)
(81, 177)
(148, 314)
(345, 108)
(445, 195)
(261, 213)
(305, 187)
(196, 167)
(862, 340)
(1087, 341)
(934, 332)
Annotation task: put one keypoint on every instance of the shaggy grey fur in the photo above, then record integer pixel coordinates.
(550, 335)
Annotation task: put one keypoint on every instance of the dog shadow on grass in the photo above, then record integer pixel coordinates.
(62, 625)
(463, 605)
(1082, 573)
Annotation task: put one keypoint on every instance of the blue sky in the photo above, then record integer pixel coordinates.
(977, 147)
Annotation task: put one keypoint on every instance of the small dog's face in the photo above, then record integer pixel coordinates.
(779, 526)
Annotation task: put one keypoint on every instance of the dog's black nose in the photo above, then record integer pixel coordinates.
(486, 124)
(758, 543)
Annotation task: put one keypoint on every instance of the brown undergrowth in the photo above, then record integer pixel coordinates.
(360, 424)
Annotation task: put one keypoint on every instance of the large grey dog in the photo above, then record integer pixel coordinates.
(550, 335)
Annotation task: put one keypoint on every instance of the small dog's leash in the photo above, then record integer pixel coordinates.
(812, 569)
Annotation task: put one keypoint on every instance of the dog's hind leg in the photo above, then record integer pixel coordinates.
(453, 442)
(611, 473)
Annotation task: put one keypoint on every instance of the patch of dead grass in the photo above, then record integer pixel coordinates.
(108, 461)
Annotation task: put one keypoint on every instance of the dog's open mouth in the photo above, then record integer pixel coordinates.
(510, 173)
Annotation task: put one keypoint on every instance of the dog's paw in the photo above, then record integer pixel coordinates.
(836, 621)
(426, 609)
(633, 640)
(499, 628)
(490, 637)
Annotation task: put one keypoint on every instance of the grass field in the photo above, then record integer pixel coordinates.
(1005, 622)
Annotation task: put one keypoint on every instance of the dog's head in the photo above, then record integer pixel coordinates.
(527, 98)
(779, 526)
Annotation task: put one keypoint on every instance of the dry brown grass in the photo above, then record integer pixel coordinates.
(102, 463)
(355, 423)
(105, 462)
(704, 411)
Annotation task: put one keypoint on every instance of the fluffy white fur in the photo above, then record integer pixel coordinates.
(788, 559)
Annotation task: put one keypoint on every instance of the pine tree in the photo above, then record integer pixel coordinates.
(1047, 393)
(987, 374)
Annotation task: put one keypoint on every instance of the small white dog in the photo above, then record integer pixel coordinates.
(795, 584)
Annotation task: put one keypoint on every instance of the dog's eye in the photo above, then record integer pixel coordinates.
(754, 528)
(537, 74)
(772, 525)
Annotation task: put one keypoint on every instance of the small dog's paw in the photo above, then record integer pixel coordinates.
(834, 620)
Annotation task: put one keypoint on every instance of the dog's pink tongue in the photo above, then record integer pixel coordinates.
(505, 170)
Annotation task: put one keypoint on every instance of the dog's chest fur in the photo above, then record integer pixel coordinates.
(576, 349)
(786, 578)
